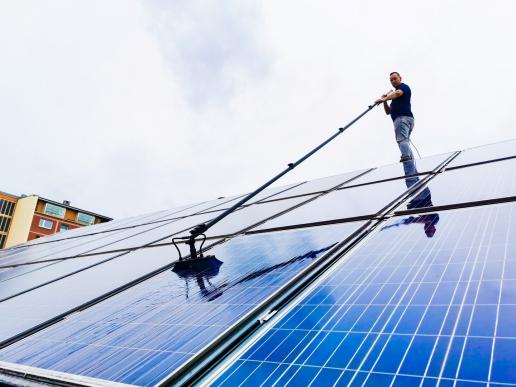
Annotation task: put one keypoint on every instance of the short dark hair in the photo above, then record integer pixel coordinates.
(395, 72)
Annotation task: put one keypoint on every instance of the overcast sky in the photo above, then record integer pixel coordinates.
(126, 107)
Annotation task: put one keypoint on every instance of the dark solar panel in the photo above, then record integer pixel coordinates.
(409, 307)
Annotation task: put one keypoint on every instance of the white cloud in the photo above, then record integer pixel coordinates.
(125, 107)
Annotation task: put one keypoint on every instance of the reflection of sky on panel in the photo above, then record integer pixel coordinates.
(18, 279)
(69, 247)
(247, 216)
(485, 153)
(405, 307)
(426, 164)
(271, 191)
(480, 182)
(341, 204)
(39, 305)
(318, 185)
(112, 225)
(160, 218)
(149, 233)
(145, 332)
(121, 239)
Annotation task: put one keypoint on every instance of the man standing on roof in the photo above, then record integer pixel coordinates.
(400, 113)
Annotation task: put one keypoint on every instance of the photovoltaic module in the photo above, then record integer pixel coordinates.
(397, 275)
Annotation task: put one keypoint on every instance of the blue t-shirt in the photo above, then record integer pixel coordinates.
(401, 105)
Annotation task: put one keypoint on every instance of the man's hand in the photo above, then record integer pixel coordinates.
(380, 100)
(384, 99)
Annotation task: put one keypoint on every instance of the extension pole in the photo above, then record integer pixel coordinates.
(203, 227)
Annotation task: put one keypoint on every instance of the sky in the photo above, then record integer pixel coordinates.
(125, 107)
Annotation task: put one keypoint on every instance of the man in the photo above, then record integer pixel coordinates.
(401, 114)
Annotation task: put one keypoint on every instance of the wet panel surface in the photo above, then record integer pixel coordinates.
(424, 300)
(142, 334)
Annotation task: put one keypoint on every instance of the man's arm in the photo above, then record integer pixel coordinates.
(387, 97)
(395, 94)
(386, 107)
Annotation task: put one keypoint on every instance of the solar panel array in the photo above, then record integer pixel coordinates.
(399, 275)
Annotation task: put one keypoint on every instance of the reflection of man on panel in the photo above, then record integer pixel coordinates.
(400, 113)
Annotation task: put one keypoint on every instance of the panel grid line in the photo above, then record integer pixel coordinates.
(363, 290)
(502, 280)
(408, 288)
(461, 307)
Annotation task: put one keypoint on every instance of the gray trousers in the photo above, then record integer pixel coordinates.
(403, 126)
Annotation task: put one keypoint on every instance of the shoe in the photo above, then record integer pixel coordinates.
(405, 158)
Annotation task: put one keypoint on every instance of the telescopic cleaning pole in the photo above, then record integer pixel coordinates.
(200, 229)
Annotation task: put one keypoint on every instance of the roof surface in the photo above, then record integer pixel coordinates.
(374, 277)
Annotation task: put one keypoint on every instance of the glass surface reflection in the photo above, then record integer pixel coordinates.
(156, 326)
(421, 200)
(396, 306)
(209, 292)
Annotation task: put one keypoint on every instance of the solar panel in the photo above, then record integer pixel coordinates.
(391, 171)
(120, 239)
(406, 308)
(270, 192)
(135, 221)
(319, 185)
(470, 184)
(426, 298)
(143, 333)
(250, 215)
(484, 153)
(23, 278)
(52, 299)
(347, 203)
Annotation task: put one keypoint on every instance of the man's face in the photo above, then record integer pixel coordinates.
(395, 80)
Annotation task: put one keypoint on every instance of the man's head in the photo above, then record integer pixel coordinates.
(395, 78)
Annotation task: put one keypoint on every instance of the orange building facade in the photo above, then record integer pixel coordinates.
(7, 206)
(30, 217)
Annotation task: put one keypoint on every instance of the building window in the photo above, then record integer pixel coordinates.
(44, 223)
(6, 207)
(3, 238)
(63, 227)
(4, 223)
(85, 219)
(53, 210)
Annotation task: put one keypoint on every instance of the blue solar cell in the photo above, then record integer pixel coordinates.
(412, 307)
(168, 314)
(504, 361)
